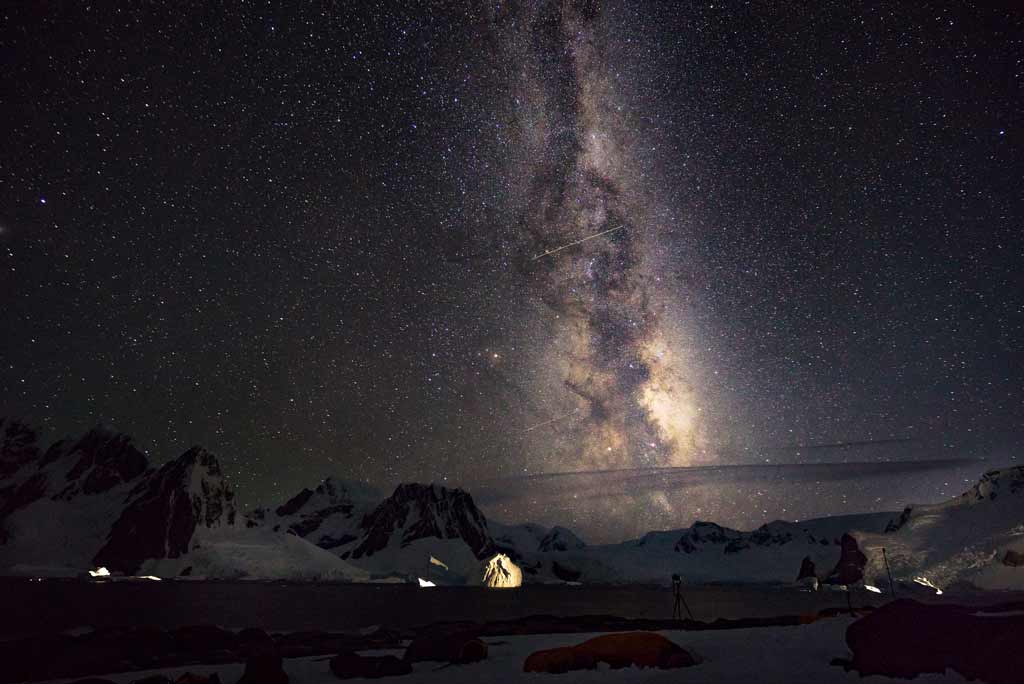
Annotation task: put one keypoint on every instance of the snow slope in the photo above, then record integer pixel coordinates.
(963, 540)
(706, 552)
(328, 516)
(234, 552)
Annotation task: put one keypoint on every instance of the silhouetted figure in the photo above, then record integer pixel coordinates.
(678, 601)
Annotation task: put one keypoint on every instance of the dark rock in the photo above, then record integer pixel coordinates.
(92, 680)
(711, 533)
(894, 525)
(164, 511)
(292, 506)
(35, 658)
(263, 666)
(471, 651)
(763, 536)
(435, 511)
(638, 649)
(906, 638)
(351, 665)
(104, 460)
(735, 546)
(685, 545)
(190, 678)
(850, 568)
(329, 542)
(806, 569)
(199, 639)
(455, 643)
(19, 445)
(1013, 559)
(186, 572)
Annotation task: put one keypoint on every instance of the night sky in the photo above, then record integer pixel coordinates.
(478, 243)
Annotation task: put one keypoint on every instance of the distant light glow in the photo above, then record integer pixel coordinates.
(426, 583)
(434, 561)
(99, 572)
(871, 588)
(501, 573)
(923, 581)
(151, 577)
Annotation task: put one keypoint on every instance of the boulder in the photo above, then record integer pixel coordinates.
(906, 638)
(190, 678)
(263, 664)
(639, 649)
(1013, 559)
(807, 569)
(850, 568)
(196, 639)
(352, 665)
(461, 645)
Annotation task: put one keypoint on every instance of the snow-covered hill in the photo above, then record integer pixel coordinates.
(244, 553)
(973, 538)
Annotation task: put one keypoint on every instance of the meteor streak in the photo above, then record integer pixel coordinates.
(589, 237)
(553, 420)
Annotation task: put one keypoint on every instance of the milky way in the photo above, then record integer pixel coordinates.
(587, 241)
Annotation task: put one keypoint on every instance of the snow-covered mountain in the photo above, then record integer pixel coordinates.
(165, 508)
(328, 516)
(706, 552)
(57, 509)
(973, 538)
(96, 501)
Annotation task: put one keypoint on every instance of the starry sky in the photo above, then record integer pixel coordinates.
(488, 244)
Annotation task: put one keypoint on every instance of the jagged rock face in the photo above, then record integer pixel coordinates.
(850, 568)
(306, 513)
(733, 540)
(807, 569)
(19, 445)
(424, 511)
(895, 525)
(103, 460)
(94, 464)
(165, 509)
(995, 483)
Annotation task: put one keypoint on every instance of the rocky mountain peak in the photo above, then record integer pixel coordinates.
(994, 483)
(101, 459)
(420, 511)
(165, 509)
(19, 445)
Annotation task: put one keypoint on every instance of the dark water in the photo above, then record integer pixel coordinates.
(30, 607)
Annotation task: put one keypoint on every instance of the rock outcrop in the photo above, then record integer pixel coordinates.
(417, 511)
(165, 508)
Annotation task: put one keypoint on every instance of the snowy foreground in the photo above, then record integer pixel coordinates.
(773, 654)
